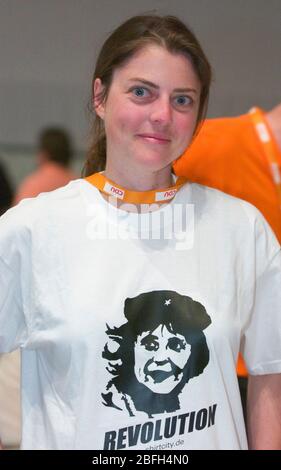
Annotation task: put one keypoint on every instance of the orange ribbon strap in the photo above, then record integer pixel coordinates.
(135, 197)
(264, 133)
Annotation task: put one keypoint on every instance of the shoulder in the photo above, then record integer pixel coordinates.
(232, 209)
(21, 219)
(49, 199)
(222, 142)
(229, 124)
(234, 220)
(217, 200)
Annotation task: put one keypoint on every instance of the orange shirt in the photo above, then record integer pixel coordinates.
(229, 155)
(49, 176)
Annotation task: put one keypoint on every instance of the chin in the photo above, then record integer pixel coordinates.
(154, 162)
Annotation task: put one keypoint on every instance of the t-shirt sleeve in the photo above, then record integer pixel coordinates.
(14, 281)
(261, 340)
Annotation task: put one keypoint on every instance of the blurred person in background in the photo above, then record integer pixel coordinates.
(240, 156)
(6, 191)
(10, 410)
(54, 157)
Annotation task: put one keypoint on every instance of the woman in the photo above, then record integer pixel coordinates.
(73, 260)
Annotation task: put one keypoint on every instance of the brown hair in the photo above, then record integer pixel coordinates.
(134, 34)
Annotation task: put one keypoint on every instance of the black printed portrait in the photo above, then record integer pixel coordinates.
(155, 353)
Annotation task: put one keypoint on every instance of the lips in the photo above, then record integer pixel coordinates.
(154, 138)
(159, 376)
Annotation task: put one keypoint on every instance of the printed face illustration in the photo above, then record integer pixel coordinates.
(160, 357)
(155, 353)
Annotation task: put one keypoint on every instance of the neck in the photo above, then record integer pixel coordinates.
(135, 180)
(138, 182)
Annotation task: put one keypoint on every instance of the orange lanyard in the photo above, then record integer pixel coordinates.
(265, 137)
(135, 197)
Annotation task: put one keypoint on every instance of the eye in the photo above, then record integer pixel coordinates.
(152, 346)
(176, 344)
(150, 343)
(140, 92)
(183, 100)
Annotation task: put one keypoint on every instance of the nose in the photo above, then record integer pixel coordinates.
(161, 112)
(161, 357)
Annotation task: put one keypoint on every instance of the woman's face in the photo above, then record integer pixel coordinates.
(160, 358)
(151, 109)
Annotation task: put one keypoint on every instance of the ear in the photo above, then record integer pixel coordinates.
(97, 102)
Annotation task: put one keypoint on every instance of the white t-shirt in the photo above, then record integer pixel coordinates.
(130, 325)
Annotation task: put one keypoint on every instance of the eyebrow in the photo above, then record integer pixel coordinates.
(150, 335)
(151, 84)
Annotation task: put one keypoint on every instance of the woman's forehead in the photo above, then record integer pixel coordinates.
(147, 62)
(160, 330)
